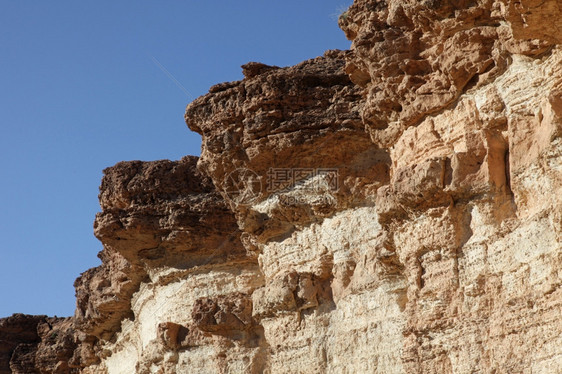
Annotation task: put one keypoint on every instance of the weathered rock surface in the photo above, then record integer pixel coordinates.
(415, 58)
(394, 208)
(284, 126)
(17, 330)
(36, 344)
(162, 224)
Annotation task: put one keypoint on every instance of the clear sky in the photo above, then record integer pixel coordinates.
(84, 85)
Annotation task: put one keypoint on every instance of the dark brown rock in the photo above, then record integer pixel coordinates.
(36, 344)
(19, 329)
(298, 120)
(164, 213)
(161, 213)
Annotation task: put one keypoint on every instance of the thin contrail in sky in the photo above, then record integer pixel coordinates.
(165, 71)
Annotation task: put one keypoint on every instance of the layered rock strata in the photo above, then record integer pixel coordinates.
(394, 208)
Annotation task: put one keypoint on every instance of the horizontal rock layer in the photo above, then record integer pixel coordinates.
(394, 208)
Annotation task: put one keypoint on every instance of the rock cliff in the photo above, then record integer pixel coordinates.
(394, 208)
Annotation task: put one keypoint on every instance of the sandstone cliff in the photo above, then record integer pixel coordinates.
(394, 208)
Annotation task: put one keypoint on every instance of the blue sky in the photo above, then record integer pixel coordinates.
(81, 89)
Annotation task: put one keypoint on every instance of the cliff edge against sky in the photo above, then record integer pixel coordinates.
(394, 208)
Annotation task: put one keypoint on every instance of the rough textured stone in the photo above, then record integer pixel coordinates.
(154, 214)
(19, 329)
(301, 118)
(36, 344)
(415, 58)
(431, 242)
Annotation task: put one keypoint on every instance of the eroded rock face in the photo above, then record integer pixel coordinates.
(155, 215)
(17, 330)
(36, 344)
(394, 208)
(415, 58)
(283, 127)
(171, 247)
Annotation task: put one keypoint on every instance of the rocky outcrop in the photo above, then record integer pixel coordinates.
(285, 127)
(415, 58)
(160, 214)
(468, 209)
(36, 344)
(394, 208)
(17, 330)
(163, 226)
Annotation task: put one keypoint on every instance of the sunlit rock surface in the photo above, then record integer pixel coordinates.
(394, 208)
